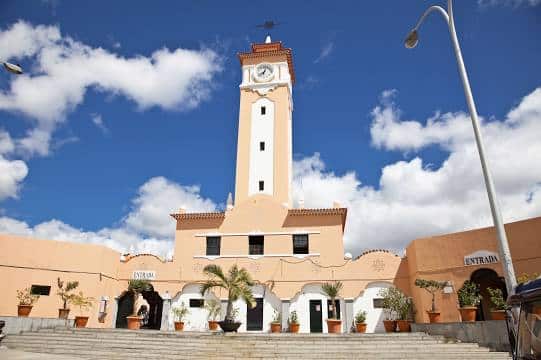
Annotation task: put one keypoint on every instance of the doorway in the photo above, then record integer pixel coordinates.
(316, 321)
(155, 307)
(486, 278)
(254, 316)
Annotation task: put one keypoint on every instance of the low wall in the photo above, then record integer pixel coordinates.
(15, 324)
(491, 333)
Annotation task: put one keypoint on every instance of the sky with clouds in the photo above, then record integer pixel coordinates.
(125, 115)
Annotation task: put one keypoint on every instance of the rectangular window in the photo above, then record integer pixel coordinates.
(43, 290)
(261, 185)
(263, 110)
(213, 245)
(197, 303)
(378, 303)
(261, 146)
(256, 245)
(300, 244)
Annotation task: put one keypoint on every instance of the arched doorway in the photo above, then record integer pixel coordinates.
(486, 278)
(155, 307)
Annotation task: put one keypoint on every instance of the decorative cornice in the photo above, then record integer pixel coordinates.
(366, 252)
(318, 212)
(197, 216)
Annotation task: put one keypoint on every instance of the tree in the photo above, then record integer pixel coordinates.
(237, 283)
(137, 287)
(82, 302)
(65, 292)
(431, 286)
(332, 290)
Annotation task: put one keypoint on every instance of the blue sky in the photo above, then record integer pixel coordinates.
(362, 102)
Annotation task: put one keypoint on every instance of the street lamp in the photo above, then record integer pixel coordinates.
(13, 68)
(410, 42)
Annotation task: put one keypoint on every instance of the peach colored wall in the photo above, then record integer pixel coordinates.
(25, 261)
(442, 258)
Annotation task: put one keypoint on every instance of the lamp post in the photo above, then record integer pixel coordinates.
(13, 68)
(410, 42)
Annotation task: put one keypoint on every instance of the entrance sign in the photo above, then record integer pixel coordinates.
(481, 257)
(144, 275)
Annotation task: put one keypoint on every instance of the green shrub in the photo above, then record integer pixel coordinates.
(360, 317)
(496, 298)
(468, 294)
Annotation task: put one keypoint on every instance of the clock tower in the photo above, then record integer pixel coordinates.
(264, 148)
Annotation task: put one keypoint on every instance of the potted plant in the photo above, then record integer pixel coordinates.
(332, 290)
(136, 287)
(180, 313)
(497, 312)
(65, 295)
(389, 300)
(26, 301)
(468, 300)
(360, 324)
(293, 322)
(276, 323)
(214, 308)
(83, 303)
(237, 283)
(431, 286)
(404, 310)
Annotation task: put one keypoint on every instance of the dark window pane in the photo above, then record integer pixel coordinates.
(213, 245)
(263, 110)
(256, 245)
(40, 290)
(261, 185)
(196, 303)
(262, 146)
(378, 303)
(300, 244)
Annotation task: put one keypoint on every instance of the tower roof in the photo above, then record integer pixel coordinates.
(271, 50)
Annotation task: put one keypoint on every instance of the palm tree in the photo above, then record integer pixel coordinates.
(332, 290)
(237, 283)
(137, 287)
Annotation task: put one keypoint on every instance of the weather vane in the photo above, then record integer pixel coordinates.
(268, 25)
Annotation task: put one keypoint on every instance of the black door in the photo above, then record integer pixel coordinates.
(329, 308)
(254, 316)
(125, 308)
(316, 322)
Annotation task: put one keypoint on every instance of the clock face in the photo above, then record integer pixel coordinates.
(263, 72)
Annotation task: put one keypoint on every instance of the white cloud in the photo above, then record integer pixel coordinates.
(514, 3)
(326, 50)
(97, 119)
(64, 69)
(12, 172)
(148, 228)
(414, 199)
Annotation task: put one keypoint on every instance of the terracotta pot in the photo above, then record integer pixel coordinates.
(390, 325)
(23, 310)
(213, 325)
(433, 316)
(80, 321)
(63, 313)
(276, 327)
(334, 326)
(179, 325)
(294, 328)
(403, 325)
(360, 328)
(497, 314)
(467, 313)
(536, 310)
(134, 322)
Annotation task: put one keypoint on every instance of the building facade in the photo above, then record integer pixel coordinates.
(289, 251)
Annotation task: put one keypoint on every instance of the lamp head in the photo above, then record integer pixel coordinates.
(412, 39)
(13, 68)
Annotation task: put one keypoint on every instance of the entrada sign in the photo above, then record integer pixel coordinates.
(481, 257)
(144, 275)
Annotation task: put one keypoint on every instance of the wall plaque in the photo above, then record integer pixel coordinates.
(144, 275)
(481, 257)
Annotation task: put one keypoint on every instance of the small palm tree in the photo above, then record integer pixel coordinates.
(237, 283)
(332, 290)
(137, 287)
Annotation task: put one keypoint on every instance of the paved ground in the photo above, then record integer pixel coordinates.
(7, 354)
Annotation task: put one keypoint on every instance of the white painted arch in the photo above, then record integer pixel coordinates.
(197, 319)
(365, 302)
